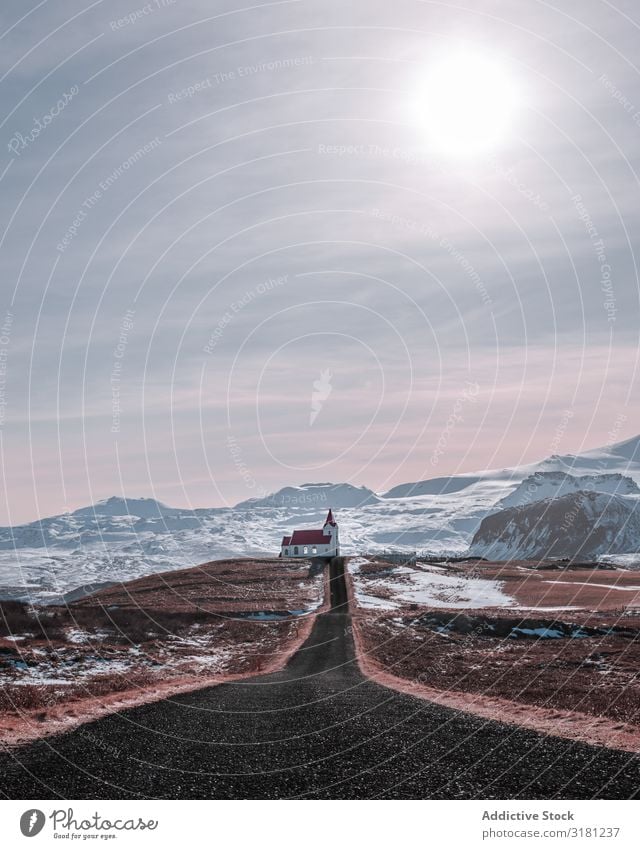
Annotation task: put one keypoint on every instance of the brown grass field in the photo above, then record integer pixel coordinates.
(567, 650)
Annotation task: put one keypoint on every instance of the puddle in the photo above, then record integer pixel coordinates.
(271, 615)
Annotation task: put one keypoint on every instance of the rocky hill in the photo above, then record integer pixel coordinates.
(582, 525)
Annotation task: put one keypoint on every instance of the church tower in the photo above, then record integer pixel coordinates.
(331, 529)
(318, 542)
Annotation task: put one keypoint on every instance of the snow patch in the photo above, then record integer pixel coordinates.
(429, 588)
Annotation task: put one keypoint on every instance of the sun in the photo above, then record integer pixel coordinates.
(466, 103)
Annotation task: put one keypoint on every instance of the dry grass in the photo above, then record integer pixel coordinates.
(181, 626)
(588, 661)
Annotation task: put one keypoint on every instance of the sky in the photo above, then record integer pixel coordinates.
(250, 246)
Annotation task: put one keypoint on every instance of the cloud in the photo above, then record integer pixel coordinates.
(206, 154)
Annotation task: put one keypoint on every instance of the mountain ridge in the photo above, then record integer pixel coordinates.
(599, 459)
(575, 525)
(119, 538)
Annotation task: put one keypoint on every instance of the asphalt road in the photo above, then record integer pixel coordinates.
(318, 729)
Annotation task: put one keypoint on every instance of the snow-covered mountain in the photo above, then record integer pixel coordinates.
(582, 525)
(314, 495)
(116, 520)
(119, 538)
(544, 485)
(144, 508)
(620, 458)
(434, 486)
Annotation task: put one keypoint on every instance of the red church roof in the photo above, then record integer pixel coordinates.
(312, 537)
(315, 537)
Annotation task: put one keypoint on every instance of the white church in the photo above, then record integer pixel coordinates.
(320, 542)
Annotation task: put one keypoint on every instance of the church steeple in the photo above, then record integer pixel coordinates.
(330, 520)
